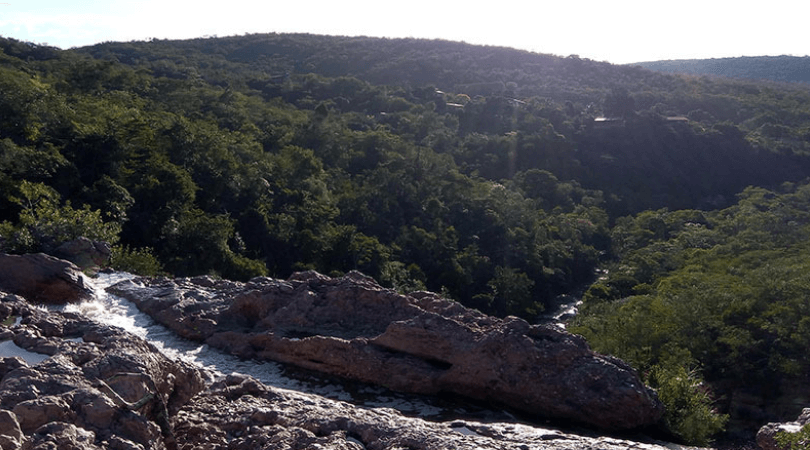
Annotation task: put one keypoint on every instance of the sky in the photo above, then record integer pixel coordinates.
(617, 31)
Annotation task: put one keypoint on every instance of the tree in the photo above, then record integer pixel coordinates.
(619, 103)
(44, 224)
(512, 291)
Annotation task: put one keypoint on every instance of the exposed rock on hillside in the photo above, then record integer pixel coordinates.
(85, 253)
(421, 343)
(102, 388)
(766, 437)
(43, 279)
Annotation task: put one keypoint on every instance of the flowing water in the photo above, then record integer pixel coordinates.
(113, 310)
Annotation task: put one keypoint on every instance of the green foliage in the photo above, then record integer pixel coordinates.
(689, 414)
(43, 224)
(512, 292)
(477, 172)
(794, 441)
(728, 288)
(199, 243)
(139, 261)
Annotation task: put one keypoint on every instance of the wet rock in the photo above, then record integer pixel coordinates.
(766, 437)
(42, 279)
(99, 387)
(422, 343)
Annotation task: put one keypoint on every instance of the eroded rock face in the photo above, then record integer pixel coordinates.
(42, 279)
(11, 435)
(421, 343)
(93, 392)
(85, 253)
(239, 413)
(99, 388)
(766, 437)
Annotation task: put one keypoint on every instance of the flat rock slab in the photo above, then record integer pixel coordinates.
(420, 343)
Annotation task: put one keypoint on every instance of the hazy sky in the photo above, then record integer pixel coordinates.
(618, 31)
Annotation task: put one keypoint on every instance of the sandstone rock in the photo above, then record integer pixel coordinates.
(94, 393)
(58, 435)
(85, 253)
(32, 414)
(353, 328)
(100, 388)
(43, 279)
(239, 413)
(766, 437)
(11, 435)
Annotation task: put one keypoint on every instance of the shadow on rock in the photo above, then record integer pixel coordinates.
(418, 343)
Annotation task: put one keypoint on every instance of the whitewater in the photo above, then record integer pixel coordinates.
(116, 311)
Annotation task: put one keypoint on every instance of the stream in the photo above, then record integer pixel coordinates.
(113, 310)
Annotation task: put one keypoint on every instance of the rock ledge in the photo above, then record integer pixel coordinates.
(420, 343)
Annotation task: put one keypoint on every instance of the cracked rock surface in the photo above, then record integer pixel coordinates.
(95, 386)
(419, 343)
(91, 385)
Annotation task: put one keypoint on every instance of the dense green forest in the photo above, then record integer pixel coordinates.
(500, 178)
(787, 69)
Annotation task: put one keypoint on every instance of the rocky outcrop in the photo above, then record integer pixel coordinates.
(420, 343)
(766, 437)
(87, 254)
(99, 387)
(102, 388)
(42, 279)
(239, 413)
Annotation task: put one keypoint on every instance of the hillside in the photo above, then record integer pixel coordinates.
(499, 178)
(786, 69)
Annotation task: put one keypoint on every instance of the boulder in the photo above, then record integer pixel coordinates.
(43, 279)
(419, 343)
(11, 435)
(766, 437)
(87, 254)
(59, 435)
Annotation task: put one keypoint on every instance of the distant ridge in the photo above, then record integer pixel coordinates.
(790, 69)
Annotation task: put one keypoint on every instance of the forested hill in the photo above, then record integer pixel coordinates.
(788, 69)
(461, 168)
(512, 89)
(500, 178)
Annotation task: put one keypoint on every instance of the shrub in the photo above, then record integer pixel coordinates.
(139, 261)
(43, 224)
(688, 405)
(794, 441)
